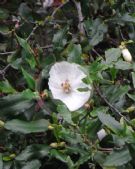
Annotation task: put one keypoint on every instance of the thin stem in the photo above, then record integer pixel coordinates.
(80, 18)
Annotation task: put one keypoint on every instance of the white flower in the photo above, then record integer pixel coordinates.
(126, 55)
(47, 3)
(64, 82)
(101, 134)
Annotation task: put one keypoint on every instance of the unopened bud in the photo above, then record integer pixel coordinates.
(87, 106)
(12, 156)
(44, 94)
(130, 109)
(50, 127)
(101, 134)
(126, 55)
(1, 124)
(62, 144)
(54, 145)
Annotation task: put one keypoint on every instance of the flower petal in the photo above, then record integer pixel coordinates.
(59, 73)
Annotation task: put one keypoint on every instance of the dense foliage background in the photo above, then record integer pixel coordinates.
(38, 132)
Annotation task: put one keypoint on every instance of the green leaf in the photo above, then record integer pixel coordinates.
(118, 158)
(28, 94)
(59, 155)
(112, 55)
(33, 152)
(1, 161)
(3, 13)
(5, 87)
(133, 78)
(59, 38)
(30, 58)
(128, 18)
(35, 164)
(110, 122)
(29, 79)
(4, 29)
(27, 127)
(131, 96)
(16, 104)
(65, 113)
(74, 53)
(92, 128)
(96, 30)
(122, 65)
(115, 93)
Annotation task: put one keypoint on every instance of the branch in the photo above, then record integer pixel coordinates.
(46, 47)
(59, 7)
(7, 53)
(80, 18)
(32, 32)
(3, 71)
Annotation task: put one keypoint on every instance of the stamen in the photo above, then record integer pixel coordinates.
(66, 86)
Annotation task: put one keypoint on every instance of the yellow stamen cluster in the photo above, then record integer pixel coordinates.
(66, 86)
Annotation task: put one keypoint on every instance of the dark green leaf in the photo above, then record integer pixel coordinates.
(5, 87)
(112, 55)
(30, 58)
(59, 155)
(1, 161)
(3, 13)
(27, 127)
(35, 164)
(29, 79)
(65, 113)
(59, 38)
(110, 122)
(33, 152)
(74, 53)
(118, 158)
(133, 78)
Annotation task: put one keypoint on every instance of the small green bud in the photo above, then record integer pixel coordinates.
(1, 124)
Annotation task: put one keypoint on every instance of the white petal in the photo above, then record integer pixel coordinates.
(101, 134)
(73, 100)
(76, 100)
(68, 71)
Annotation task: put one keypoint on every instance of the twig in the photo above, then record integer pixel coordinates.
(32, 32)
(46, 47)
(87, 114)
(80, 18)
(3, 71)
(7, 53)
(96, 52)
(59, 7)
(121, 34)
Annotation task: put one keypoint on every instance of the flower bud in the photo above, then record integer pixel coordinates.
(126, 55)
(1, 124)
(50, 127)
(62, 144)
(54, 145)
(12, 156)
(101, 134)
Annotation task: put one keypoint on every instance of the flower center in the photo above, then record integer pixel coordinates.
(66, 86)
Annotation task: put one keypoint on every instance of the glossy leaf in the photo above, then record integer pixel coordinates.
(118, 158)
(110, 122)
(27, 127)
(29, 79)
